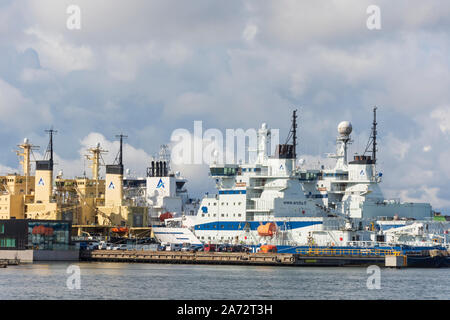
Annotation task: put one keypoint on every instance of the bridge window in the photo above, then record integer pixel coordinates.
(223, 171)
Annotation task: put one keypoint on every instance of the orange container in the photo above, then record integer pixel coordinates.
(268, 248)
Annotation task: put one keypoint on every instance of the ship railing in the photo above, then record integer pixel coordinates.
(362, 243)
(354, 252)
(371, 244)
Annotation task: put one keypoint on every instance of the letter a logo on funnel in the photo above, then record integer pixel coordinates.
(41, 182)
(160, 184)
(111, 185)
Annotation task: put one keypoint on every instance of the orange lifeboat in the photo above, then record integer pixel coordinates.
(119, 230)
(268, 248)
(267, 230)
(165, 216)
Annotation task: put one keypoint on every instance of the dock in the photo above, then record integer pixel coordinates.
(230, 258)
(322, 257)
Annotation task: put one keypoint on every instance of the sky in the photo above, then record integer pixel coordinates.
(146, 68)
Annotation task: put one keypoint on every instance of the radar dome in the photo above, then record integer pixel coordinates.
(345, 128)
(25, 140)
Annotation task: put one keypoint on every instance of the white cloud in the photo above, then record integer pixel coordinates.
(123, 62)
(442, 117)
(250, 32)
(397, 147)
(58, 54)
(20, 112)
(4, 170)
(427, 195)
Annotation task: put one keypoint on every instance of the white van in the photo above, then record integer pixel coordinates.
(174, 247)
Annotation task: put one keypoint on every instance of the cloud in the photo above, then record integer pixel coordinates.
(4, 170)
(58, 54)
(250, 32)
(442, 116)
(20, 112)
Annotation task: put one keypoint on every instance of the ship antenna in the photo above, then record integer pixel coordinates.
(374, 134)
(293, 134)
(49, 151)
(373, 137)
(119, 155)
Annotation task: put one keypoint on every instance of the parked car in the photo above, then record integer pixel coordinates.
(122, 246)
(93, 246)
(209, 248)
(173, 247)
(102, 245)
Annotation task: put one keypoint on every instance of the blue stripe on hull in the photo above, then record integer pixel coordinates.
(403, 249)
(253, 225)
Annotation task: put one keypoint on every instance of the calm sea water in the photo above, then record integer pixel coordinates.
(165, 281)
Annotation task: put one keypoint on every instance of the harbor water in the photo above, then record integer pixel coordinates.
(99, 280)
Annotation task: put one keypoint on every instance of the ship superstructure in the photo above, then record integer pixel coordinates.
(274, 201)
(92, 204)
(255, 201)
(166, 193)
(171, 210)
(352, 188)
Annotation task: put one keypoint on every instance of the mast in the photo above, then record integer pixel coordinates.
(374, 135)
(25, 161)
(294, 133)
(96, 155)
(49, 151)
(119, 155)
(95, 158)
(25, 154)
(290, 150)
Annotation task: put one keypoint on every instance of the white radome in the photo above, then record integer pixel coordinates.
(345, 128)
